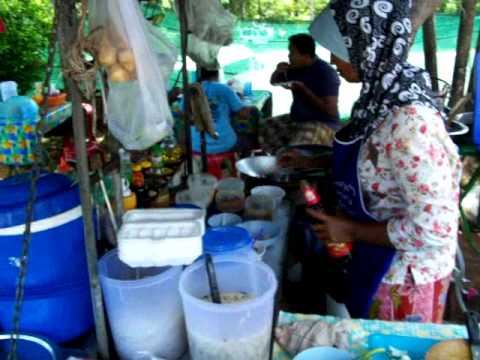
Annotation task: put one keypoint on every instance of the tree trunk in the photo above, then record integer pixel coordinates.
(430, 50)
(463, 49)
(243, 9)
(260, 9)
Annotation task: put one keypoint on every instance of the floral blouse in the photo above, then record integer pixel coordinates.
(410, 172)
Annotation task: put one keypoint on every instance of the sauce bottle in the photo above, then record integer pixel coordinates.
(313, 200)
(338, 257)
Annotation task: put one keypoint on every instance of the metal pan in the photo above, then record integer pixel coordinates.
(259, 167)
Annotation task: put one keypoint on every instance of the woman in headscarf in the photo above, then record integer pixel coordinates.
(396, 170)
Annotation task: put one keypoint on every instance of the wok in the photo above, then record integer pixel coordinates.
(258, 166)
(264, 169)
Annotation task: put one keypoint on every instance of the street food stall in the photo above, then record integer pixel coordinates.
(118, 241)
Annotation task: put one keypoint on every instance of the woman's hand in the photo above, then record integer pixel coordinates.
(333, 229)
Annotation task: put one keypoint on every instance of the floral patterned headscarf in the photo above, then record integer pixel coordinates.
(377, 34)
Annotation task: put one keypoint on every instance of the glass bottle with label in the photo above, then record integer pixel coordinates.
(339, 254)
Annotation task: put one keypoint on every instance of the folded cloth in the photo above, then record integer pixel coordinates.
(301, 335)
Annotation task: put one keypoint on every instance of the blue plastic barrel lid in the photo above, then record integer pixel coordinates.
(55, 195)
(224, 239)
(19, 108)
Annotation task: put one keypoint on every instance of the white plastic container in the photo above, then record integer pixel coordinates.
(236, 331)
(165, 215)
(275, 192)
(144, 309)
(263, 232)
(145, 244)
(224, 219)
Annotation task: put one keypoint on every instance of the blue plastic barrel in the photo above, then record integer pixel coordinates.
(57, 294)
(30, 346)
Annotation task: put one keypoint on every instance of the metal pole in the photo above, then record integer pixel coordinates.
(186, 95)
(118, 194)
(88, 226)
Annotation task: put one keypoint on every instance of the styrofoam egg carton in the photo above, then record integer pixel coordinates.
(145, 244)
(165, 215)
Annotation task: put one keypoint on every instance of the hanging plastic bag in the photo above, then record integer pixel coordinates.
(204, 54)
(132, 53)
(209, 21)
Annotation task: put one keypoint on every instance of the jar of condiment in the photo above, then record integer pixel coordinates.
(259, 207)
(230, 195)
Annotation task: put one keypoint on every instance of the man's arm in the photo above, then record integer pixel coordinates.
(326, 104)
(280, 73)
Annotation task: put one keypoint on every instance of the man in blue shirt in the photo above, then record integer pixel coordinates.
(313, 117)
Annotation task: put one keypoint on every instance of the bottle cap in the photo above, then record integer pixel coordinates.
(136, 167)
(146, 164)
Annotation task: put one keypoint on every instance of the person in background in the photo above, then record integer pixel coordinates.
(223, 104)
(313, 117)
(396, 170)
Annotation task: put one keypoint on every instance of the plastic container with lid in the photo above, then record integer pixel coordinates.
(224, 219)
(259, 207)
(237, 330)
(230, 195)
(275, 192)
(228, 240)
(144, 308)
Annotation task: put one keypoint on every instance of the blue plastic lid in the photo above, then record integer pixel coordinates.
(19, 108)
(55, 194)
(225, 239)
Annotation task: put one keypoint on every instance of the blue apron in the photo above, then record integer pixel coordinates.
(369, 262)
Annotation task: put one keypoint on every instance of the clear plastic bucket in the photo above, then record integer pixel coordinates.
(144, 309)
(234, 331)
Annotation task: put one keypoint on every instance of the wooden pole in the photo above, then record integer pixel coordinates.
(430, 50)
(464, 42)
(186, 96)
(67, 24)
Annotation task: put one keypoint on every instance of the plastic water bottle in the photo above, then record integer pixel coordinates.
(125, 165)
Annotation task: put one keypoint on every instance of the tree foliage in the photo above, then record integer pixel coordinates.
(24, 45)
(292, 10)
